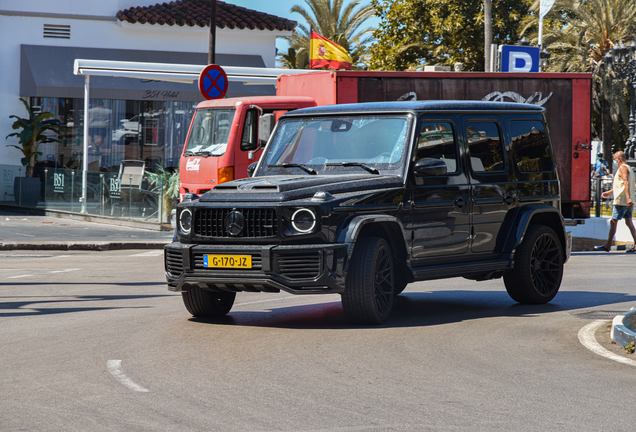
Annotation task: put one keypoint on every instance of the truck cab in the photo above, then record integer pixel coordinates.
(226, 135)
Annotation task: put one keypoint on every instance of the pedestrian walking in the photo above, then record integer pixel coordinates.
(623, 190)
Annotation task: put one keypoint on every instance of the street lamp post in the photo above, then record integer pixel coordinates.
(622, 60)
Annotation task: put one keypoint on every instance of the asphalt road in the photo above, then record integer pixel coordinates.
(94, 341)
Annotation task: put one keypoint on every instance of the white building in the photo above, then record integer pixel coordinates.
(147, 120)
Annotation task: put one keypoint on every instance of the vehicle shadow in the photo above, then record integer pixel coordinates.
(421, 309)
(39, 306)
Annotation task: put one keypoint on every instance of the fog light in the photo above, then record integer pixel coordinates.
(185, 221)
(303, 220)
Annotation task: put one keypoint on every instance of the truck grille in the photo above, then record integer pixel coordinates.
(256, 223)
(298, 266)
(174, 262)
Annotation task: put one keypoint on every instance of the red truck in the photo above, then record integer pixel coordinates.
(566, 97)
(226, 135)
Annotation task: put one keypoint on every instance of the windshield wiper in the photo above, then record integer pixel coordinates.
(202, 153)
(360, 164)
(188, 153)
(293, 165)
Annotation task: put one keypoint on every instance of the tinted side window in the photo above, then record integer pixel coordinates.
(437, 140)
(486, 148)
(530, 146)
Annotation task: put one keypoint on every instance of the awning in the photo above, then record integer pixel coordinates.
(47, 71)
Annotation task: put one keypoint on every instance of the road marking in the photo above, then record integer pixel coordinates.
(63, 271)
(586, 337)
(20, 276)
(26, 235)
(114, 367)
(149, 253)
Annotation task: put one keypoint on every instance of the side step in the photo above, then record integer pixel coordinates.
(459, 269)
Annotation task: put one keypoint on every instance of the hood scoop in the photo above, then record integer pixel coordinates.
(253, 186)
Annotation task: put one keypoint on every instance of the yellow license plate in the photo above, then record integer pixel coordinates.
(227, 261)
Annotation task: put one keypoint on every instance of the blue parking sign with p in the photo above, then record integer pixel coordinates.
(520, 58)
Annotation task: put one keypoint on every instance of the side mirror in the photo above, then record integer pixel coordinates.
(265, 126)
(251, 168)
(430, 167)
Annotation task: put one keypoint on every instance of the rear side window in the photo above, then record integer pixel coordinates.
(486, 148)
(530, 146)
(436, 140)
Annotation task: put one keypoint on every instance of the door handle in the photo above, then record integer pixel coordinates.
(508, 199)
(459, 202)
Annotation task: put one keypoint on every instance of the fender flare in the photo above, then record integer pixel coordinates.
(351, 230)
(523, 220)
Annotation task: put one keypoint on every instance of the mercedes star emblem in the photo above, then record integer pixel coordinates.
(234, 223)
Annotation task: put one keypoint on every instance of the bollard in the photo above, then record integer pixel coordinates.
(46, 184)
(598, 196)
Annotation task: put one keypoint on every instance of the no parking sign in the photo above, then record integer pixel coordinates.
(213, 82)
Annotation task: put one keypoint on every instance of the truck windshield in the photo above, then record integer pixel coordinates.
(210, 131)
(326, 143)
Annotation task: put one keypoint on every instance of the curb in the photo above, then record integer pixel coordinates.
(623, 325)
(76, 246)
(622, 247)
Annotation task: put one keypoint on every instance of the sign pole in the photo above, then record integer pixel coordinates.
(212, 41)
(87, 85)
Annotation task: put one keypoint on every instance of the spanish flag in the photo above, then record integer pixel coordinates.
(325, 53)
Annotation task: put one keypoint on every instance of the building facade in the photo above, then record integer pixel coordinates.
(128, 119)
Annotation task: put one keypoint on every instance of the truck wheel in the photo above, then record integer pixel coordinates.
(536, 276)
(370, 284)
(205, 303)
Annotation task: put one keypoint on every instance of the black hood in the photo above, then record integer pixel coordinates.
(288, 188)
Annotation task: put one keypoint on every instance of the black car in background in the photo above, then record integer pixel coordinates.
(363, 199)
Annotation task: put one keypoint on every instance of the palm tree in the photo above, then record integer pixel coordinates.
(335, 21)
(578, 34)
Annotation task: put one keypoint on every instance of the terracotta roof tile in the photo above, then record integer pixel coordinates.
(197, 13)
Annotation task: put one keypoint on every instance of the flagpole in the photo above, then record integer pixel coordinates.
(311, 33)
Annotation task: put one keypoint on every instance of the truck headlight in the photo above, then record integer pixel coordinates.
(185, 221)
(303, 220)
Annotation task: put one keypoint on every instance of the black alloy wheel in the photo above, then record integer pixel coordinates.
(538, 270)
(203, 303)
(370, 285)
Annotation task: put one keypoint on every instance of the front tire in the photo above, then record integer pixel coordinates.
(538, 271)
(370, 284)
(203, 303)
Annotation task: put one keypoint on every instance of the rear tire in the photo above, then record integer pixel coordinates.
(538, 271)
(370, 284)
(203, 303)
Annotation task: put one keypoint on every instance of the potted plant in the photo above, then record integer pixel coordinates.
(32, 131)
(170, 182)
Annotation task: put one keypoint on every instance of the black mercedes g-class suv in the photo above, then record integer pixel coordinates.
(362, 199)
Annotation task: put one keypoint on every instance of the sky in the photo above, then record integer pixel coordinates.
(282, 8)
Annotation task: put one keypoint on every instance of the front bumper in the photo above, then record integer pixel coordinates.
(297, 269)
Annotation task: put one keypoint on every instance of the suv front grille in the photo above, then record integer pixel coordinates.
(257, 223)
(174, 262)
(298, 266)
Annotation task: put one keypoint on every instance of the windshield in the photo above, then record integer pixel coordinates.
(324, 143)
(210, 131)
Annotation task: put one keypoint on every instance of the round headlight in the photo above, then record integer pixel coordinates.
(303, 220)
(185, 221)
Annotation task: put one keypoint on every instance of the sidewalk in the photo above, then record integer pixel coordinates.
(594, 232)
(67, 231)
